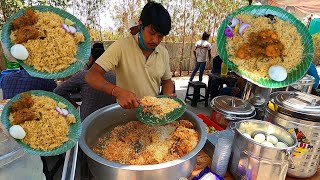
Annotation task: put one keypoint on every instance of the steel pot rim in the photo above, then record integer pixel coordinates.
(87, 150)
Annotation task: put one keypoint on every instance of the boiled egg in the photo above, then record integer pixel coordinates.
(272, 139)
(259, 137)
(17, 132)
(247, 135)
(281, 145)
(267, 143)
(20, 52)
(277, 73)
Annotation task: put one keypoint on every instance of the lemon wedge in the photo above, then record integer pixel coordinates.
(68, 22)
(61, 105)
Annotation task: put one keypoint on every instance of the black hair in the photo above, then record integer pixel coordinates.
(155, 14)
(98, 45)
(205, 36)
(96, 53)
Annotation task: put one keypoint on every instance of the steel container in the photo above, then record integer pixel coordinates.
(227, 110)
(300, 114)
(104, 120)
(254, 161)
(258, 97)
(303, 85)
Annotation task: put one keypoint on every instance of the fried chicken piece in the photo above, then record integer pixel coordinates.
(26, 33)
(274, 50)
(28, 19)
(25, 102)
(23, 115)
(244, 52)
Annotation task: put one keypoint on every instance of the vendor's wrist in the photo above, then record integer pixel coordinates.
(115, 91)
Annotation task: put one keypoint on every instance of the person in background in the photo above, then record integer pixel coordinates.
(91, 99)
(312, 71)
(201, 51)
(133, 25)
(140, 62)
(235, 91)
(19, 82)
(216, 71)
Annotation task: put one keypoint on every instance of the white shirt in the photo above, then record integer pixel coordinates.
(202, 48)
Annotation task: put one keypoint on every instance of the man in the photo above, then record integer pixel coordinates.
(133, 25)
(19, 82)
(202, 49)
(91, 99)
(140, 63)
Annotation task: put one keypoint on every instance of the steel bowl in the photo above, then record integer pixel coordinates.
(105, 119)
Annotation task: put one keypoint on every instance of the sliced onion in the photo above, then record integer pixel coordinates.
(234, 22)
(242, 27)
(64, 112)
(228, 32)
(58, 110)
(65, 27)
(72, 29)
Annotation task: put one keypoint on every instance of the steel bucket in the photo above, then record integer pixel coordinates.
(254, 161)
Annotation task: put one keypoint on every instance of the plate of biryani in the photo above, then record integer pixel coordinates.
(47, 42)
(266, 45)
(42, 122)
(160, 110)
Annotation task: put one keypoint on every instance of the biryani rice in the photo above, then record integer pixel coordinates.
(57, 50)
(288, 36)
(51, 130)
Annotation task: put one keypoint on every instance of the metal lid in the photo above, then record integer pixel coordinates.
(257, 100)
(307, 79)
(233, 108)
(298, 104)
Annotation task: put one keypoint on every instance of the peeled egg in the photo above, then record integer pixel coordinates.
(267, 143)
(259, 138)
(281, 145)
(17, 132)
(247, 135)
(272, 139)
(277, 73)
(20, 52)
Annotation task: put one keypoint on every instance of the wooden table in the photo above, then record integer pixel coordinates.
(204, 160)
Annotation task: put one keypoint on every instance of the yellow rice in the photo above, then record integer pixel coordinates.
(57, 51)
(288, 35)
(51, 130)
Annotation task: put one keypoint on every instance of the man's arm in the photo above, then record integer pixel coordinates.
(209, 54)
(167, 87)
(95, 78)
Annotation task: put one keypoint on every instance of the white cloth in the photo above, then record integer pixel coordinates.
(202, 48)
(133, 23)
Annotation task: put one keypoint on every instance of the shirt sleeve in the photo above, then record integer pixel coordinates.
(71, 86)
(167, 74)
(110, 58)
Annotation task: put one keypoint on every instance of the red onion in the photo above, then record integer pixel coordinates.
(72, 29)
(228, 32)
(58, 110)
(65, 27)
(234, 22)
(242, 27)
(64, 112)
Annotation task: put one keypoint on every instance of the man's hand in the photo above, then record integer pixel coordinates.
(126, 99)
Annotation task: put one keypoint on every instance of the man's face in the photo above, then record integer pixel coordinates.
(151, 38)
(134, 30)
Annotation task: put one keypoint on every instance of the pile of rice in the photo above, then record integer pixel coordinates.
(136, 143)
(288, 35)
(57, 51)
(158, 107)
(51, 130)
